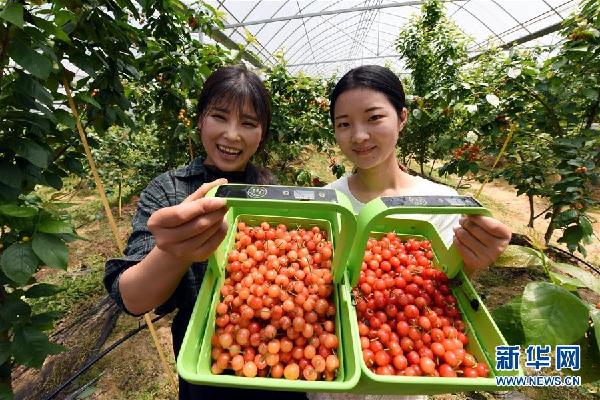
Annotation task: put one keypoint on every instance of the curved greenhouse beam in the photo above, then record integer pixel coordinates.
(510, 15)
(324, 71)
(294, 57)
(462, 6)
(341, 47)
(484, 24)
(332, 38)
(321, 13)
(526, 38)
(268, 53)
(406, 18)
(252, 9)
(344, 60)
(312, 52)
(290, 35)
(275, 13)
(283, 27)
(363, 27)
(534, 20)
(338, 51)
(553, 9)
(335, 58)
(220, 37)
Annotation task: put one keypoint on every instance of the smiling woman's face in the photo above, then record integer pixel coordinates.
(229, 137)
(366, 127)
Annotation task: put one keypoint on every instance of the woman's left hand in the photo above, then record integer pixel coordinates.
(480, 240)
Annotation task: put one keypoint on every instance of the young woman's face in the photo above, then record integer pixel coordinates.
(367, 127)
(230, 139)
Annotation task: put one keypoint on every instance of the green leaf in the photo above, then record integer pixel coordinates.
(571, 284)
(50, 29)
(15, 311)
(44, 321)
(588, 279)
(13, 13)
(26, 85)
(32, 152)
(8, 193)
(65, 118)
(566, 215)
(551, 315)
(187, 76)
(31, 346)
(571, 236)
(71, 237)
(4, 351)
(508, 319)
(6, 392)
(32, 61)
(86, 98)
(10, 175)
(586, 225)
(595, 315)
(19, 262)
(53, 180)
(590, 93)
(16, 211)
(49, 225)
(519, 257)
(42, 290)
(51, 250)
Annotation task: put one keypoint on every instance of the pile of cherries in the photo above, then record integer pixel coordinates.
(276, 317)
(408, 320)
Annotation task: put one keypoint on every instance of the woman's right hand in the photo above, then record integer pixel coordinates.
(192, 230)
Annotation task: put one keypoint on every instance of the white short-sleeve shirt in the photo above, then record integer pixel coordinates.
(444, 223)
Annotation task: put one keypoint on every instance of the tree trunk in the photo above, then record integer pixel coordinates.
(5, 369)
(531, 211)
(459, 182)
(432, 166)
(550, 230)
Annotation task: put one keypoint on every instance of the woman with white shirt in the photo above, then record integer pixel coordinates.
(368, 112)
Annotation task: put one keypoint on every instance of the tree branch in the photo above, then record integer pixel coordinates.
(549, 109)
(543, 212)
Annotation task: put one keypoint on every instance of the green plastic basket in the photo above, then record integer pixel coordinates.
(295, 207)
(373, 221)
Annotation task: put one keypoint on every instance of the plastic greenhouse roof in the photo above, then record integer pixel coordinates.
(322, 38)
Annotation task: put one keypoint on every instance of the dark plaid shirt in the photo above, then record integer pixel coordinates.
(166, 190)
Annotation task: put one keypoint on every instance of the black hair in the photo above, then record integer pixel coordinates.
(234, 85)
(374, 77)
